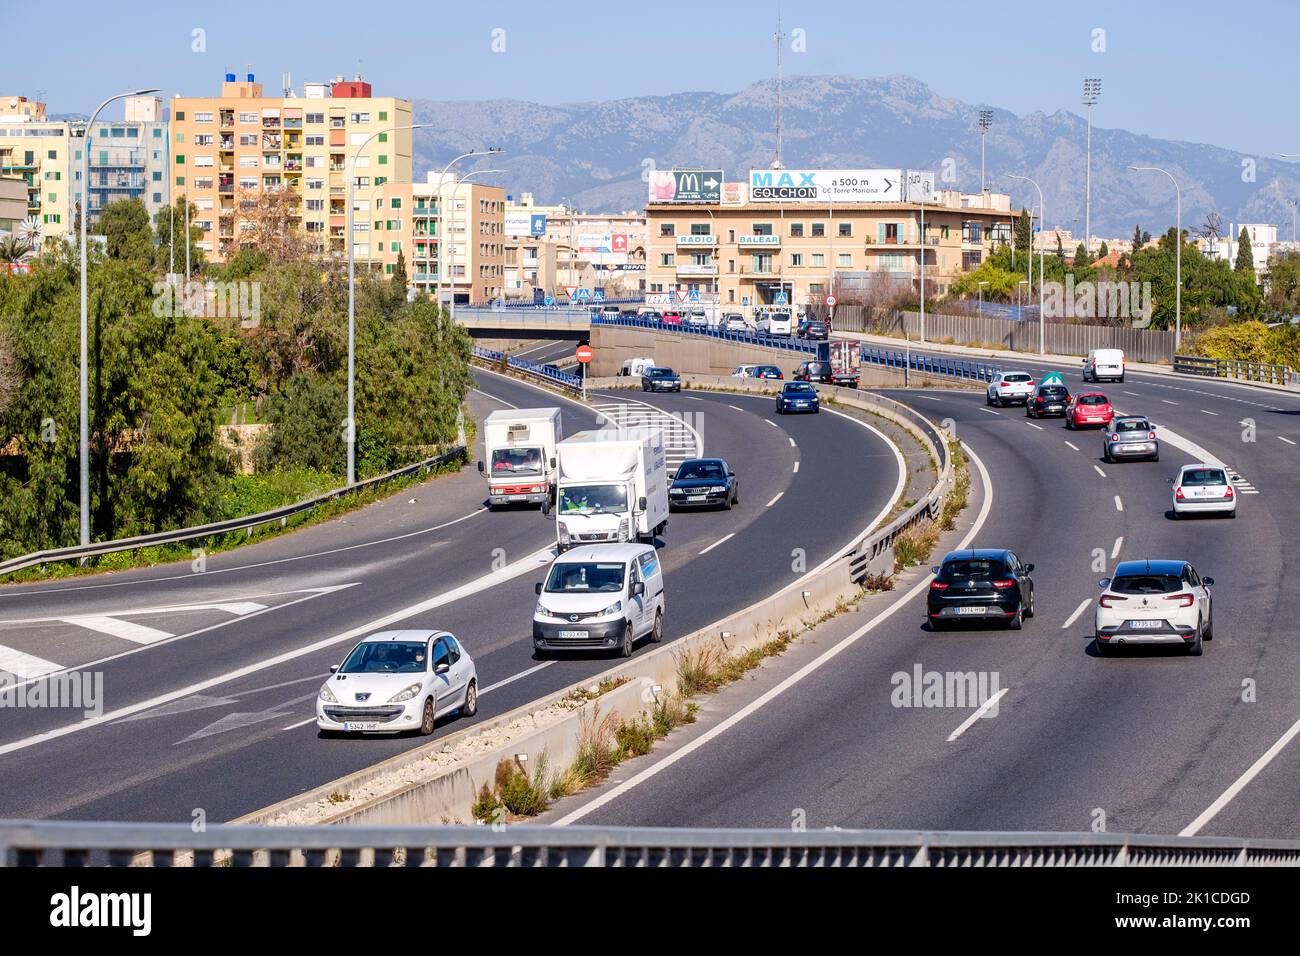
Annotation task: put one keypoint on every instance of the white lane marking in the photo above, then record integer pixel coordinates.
(126, 630)
(770, 422)
(237, 608)
(983, 709)
(301, 723)
(1032, 425)
(793, 445)
(1097, 468)
(525, 565)
(1119, 505)
(1073, 445)
(1287, 440)
(1168, 402)
(1074, 615)
(1196, 452)
(510, 680)
(25, 666)
(1135, 394)
(722, 540)
(1206, 411)
(693, 398)
(501, 401)
(796, 468)
(774, 500)
(930, 398)
(1241, 782)
(736, 407)
(1114, 552)
(825, 657)
(989, 410)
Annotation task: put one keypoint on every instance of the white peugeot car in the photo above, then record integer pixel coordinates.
(1008, 388)
(398, 681)
(1203, 489)
(1154, 602)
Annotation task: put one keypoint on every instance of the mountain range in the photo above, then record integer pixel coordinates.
(593, 154)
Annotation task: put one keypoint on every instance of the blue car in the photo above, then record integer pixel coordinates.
(797, 397)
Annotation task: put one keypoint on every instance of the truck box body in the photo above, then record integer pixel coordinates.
(845, 357)
(603, 475)
(521, 454)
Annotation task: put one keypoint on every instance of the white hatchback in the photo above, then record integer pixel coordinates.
(1010, 387)
(398, 681)
(1203, 489)
(1154, 602)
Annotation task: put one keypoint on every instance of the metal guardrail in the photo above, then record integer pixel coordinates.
(247, 524)
(503, 361)
(784, 342)
(940, 365)
(1233, 369)
(40, 843)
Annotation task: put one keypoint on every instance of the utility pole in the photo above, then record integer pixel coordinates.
(779, 39)
(986, 120)
(1091, 91)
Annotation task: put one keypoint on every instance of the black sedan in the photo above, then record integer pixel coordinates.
(814, 329)
(1048, 400)
(660, 379)
(703, 483)
(980, 584)
(797, 397)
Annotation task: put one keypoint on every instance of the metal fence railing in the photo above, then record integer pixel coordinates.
(1236, 370)
(785, 343)
(40, 843)
(552, 376)
(946, 366)
(216, 528)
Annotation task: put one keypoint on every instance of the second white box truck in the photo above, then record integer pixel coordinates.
(612, 486)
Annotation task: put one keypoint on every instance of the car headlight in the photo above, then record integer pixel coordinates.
(677, 491)
(564, 532)
(614, 608)
(405, 694)
(543, 611)
(623, 530)
(327, 695)
(717, 489)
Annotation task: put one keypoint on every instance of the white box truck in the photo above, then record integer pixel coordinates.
(612, 487)
(520, 446)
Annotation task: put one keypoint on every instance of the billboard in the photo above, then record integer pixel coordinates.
(603, 248)
(521, 222)
(826, 185)
(686, 185)
(918, 185)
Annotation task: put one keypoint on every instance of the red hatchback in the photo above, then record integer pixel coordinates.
(1089, 409)
(672, 318)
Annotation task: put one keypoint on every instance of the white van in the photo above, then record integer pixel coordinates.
(634, 367)
(600, 597)
(1104, 364)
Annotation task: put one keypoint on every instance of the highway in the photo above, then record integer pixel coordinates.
(1146, 742)
(209, 678)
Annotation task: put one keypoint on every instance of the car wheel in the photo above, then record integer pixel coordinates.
(936, 624)
(427, 718)
(1156, 456)
(1029, 611)
(1103, 649)
(657, 634)
(470, 708)
(626, 648)
(735, 496)
(1195, 648)
(1015, 623)
(1069, 424)
(988, 399)
(1209, 627)
(726, 505)
(1232, 513)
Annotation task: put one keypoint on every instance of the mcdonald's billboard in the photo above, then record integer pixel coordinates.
(686, 185)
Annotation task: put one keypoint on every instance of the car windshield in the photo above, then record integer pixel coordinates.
(592, 499)
(586, 577)
(1146, 584)
(1200, 477)
(768, 370)
(701, 469)
(517, 461)
(1092, 400)
(1054, 391)
(801, 387)
(659, 372)
(1136, 425)
(970, 569)
(1016, 377)
(386, 657)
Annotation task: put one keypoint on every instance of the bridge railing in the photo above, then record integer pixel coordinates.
(749, 337)
(533, 369)
(1236, 370)
(58, 843)
(943, 366)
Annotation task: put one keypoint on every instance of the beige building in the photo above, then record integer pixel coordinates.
(229, 150)
(46, 155)
(13, 203)
(746, 254)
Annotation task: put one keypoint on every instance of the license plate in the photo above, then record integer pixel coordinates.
(695, 497)
(574, 635)
(353, 725)
(518, 497)
(975, 610)
(1145, 625)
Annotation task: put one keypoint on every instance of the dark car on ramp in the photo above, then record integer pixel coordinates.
(980, 584)
(702, 483)
(660, 379)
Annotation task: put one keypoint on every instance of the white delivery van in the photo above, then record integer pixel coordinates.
(635, 367)
(775, 322)
(600, 598)
(1104, 364)
(520, 448)
(612, 487)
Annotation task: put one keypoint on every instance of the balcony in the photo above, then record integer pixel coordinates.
(697, 269)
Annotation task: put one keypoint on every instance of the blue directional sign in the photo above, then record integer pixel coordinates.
(584, 295)
(599, 295)
(780, 298)
(550, 300)
(694, 296)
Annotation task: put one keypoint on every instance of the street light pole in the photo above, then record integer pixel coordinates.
(922, 272)
(985, 121)
(1091, 91)
(351, 426)
(1042, 222)
(442, 241)
(84, 500)
(1019, 307)
(1178, 252)
(979, 291)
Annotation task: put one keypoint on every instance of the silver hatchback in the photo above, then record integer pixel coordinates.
(1130, 436)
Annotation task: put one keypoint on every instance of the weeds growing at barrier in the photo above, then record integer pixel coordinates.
(514, 792)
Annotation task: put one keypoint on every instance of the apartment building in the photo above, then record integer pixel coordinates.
(13, 203)
(128, 158)
(747, 253)
(46, 155)
(408, 219)
(230, 151)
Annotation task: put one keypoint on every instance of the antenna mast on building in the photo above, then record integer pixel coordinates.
(286, 84)
(779, 38)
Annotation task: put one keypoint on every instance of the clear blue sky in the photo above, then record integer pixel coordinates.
(1173, 70)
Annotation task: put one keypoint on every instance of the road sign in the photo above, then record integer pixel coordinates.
(598, 295)
(780, 298)
(1052, 378)
(831, 301)
(584, 295)
(694, 295)
(550, 300)
(583, 354)
(681, 295)
(571, 291)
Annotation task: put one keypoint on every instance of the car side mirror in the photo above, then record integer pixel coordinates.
(552, 461)
(441, 668)
(638, 588)
(537, 588)
(731, 474)
(640, 503)
(1028, 568)
(1208, 582)
(334, 668)
(1104, 582)
(934, 569)
(480, 468)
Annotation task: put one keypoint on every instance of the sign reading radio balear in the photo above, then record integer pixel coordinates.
(826, 185)
(686, 185)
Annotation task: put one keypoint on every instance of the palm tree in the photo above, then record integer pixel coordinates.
(13, 249)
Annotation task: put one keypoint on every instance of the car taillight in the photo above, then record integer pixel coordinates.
(1003, 585)
(1151, 436)
(1114, 436)
(1227, 491)
(1004, 384)
(938, 586)
(1110, 600)
(1178, 493)
(1184, 600)
(1039, 400)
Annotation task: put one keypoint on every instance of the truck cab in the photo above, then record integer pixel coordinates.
(612, 488)
(520, 455)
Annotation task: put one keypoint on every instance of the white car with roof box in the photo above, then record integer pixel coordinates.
(1104, 365)
(1203, 489)
(1154, 602)
(604, 597)
(396, 681)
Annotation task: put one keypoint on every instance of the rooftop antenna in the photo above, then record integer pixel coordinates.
(286, 84)
(779, 39)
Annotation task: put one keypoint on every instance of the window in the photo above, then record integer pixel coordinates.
(971, 232)
(394, 246)
(701, 229)
(248, 117)
(203, 139)
(360, 117)
(846, 230)
(180, 116)
(180, 180)
(246, 162)
(844, 259)
(819, 230)
(667, 229)
(315, 117)
(180, 159)
(203, 161)
(52, 154)
(249, 139)
(203, 117)
(180, 137)
(157, 197)
(316, 140)
(396, 202)
(796, 230)
(383, 159)
(315, 205)
(818, 260)
(383, 137)
(667, 259)
(157, 176)
(762, 229)
(796, 260)
(315, 184)
(383, 115)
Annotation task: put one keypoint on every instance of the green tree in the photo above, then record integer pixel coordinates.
(1245, 257)
(1103, 250)
(1024, 234)
(124, 224)
(306, 415)
(1081, 258)
(1283, 296)
(399, 274)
